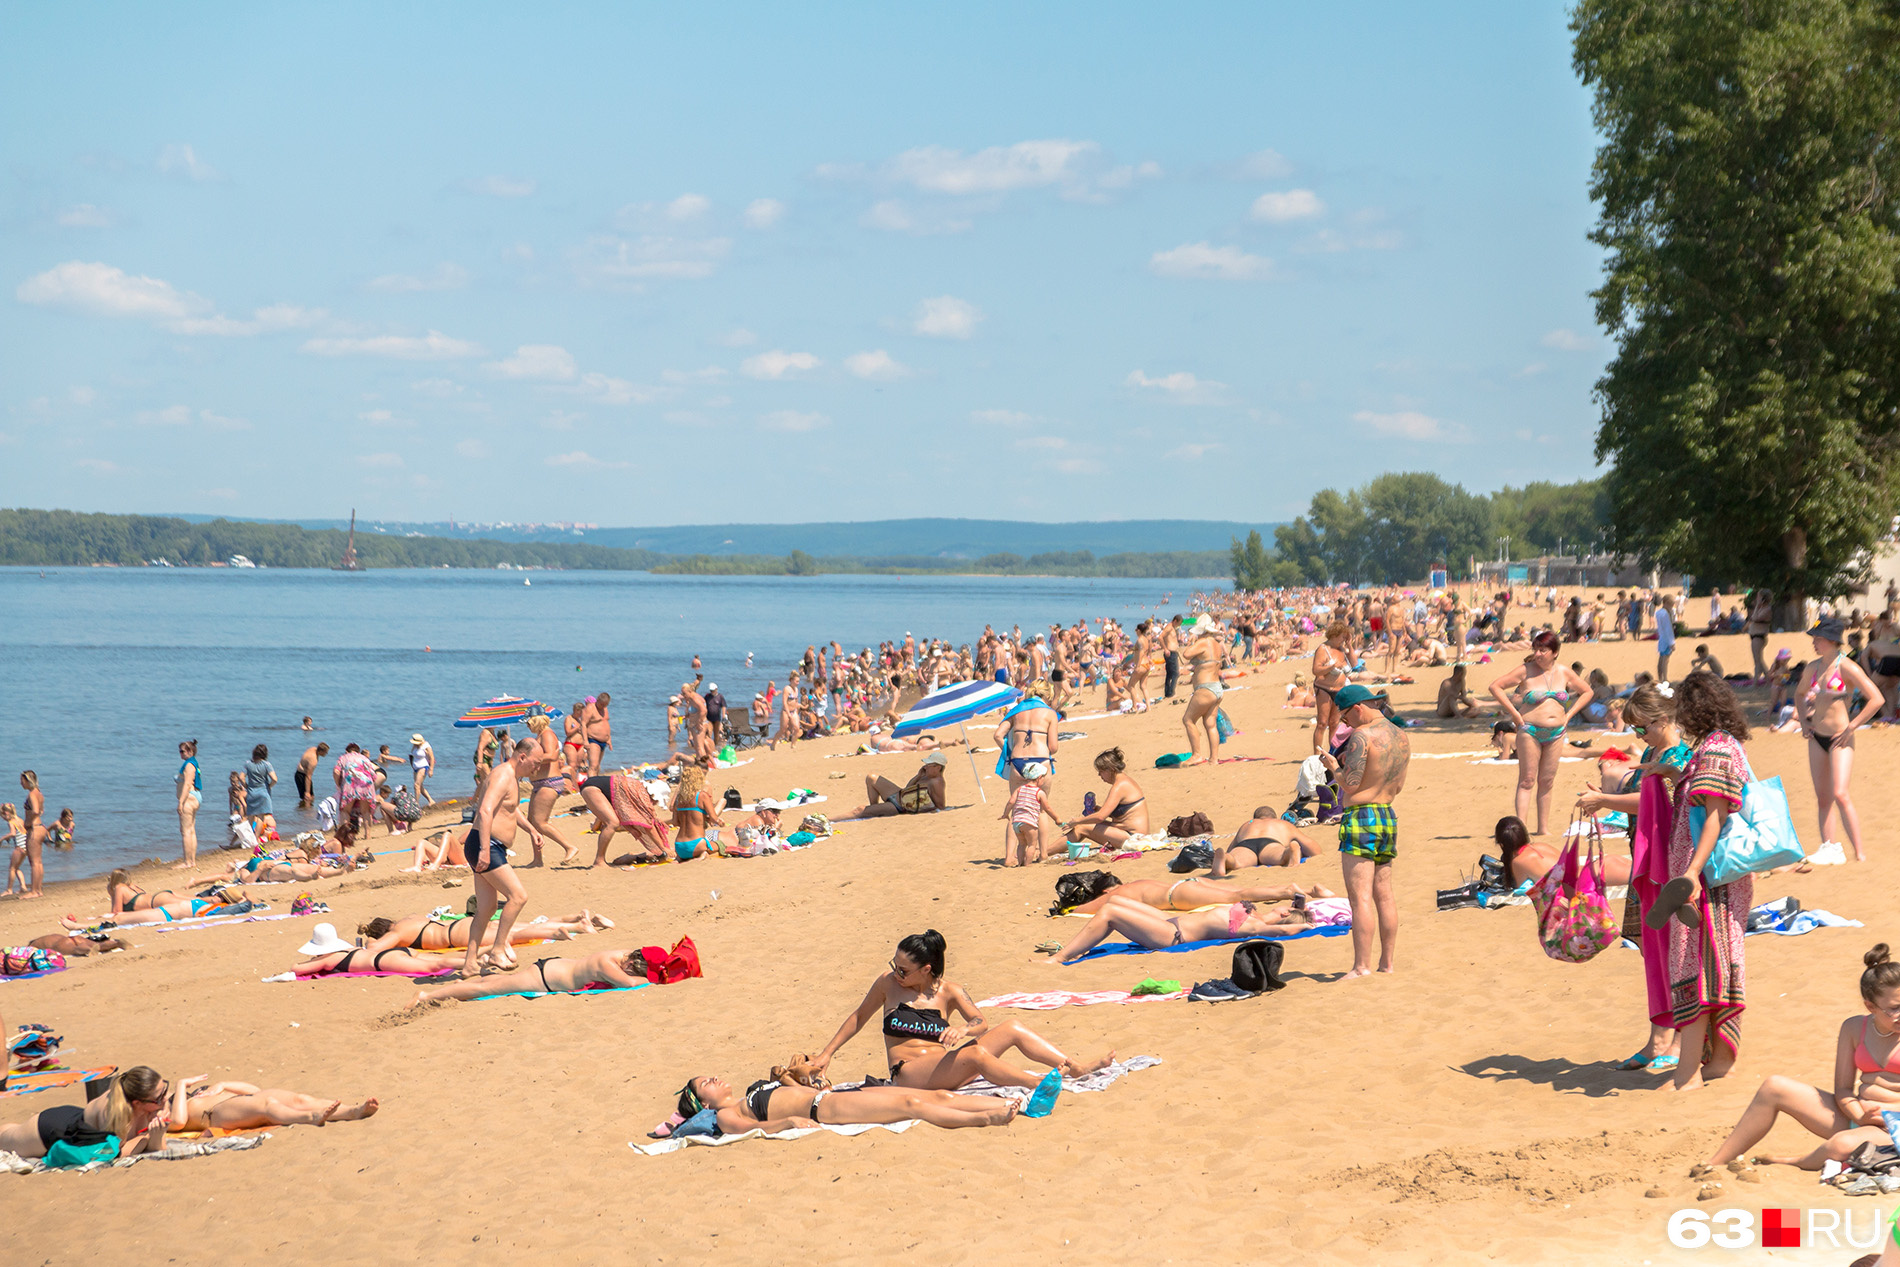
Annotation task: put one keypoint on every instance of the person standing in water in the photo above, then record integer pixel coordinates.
(1371, 771)
(32, 822)
(306, 774)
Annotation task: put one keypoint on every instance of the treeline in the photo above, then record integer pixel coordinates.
(1160, 565)
(48, 538)
(1395, 527)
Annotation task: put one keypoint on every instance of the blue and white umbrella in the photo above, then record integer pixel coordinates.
(952, 706)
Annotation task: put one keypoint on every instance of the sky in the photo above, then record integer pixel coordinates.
(769, 263)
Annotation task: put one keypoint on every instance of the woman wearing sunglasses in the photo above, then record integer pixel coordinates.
(132, 1111)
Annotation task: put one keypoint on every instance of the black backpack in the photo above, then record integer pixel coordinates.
(1192, 858)
(733, 799)
(1078, 888)
(1257, 966)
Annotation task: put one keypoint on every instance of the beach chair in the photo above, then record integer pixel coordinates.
(740, 732)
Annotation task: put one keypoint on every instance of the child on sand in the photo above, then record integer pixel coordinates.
(1025, 810)
(13, 836)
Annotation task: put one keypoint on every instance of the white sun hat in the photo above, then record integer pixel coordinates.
(324, 941)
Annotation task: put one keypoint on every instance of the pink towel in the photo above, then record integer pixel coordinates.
(1649, 871)
(1048, 1000)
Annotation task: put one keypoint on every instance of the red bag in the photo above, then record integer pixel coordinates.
(666, 967)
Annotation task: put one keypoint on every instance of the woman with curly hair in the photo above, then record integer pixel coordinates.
(1706, 976)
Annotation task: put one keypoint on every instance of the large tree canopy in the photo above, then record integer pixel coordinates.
(1746, 196)
(1390, 529)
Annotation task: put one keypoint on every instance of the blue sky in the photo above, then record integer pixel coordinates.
(778, 263)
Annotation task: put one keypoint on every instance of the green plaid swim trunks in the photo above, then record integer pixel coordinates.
(1370, 831)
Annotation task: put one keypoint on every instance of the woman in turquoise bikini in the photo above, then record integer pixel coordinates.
(1548, 696)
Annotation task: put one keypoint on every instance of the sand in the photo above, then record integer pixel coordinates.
(1464, 1109)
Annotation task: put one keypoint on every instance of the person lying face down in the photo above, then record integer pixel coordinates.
(772, 1106)
(1265, 840)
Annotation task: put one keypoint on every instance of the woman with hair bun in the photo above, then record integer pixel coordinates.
(1122, 813)
(1548, 696)
(1866, 1082)
(924, 1048)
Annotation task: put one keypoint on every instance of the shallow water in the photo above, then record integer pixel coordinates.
(107, 669)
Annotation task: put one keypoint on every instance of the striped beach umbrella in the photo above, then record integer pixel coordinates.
(953, 704)
(503, 710)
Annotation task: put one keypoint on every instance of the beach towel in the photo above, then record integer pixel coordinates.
(191, 924)
(344, 976)
(1049, 1000)
(1773, 917)
(19, 1165)
(1100, 1080)
(657, 1148)
(1130, 948)
(542, 994)
(49, 1079)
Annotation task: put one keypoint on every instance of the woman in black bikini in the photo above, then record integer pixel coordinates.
(613, 969)
(451, 932)
(127, 896)
(923, 1047)
(331, 956)
(619, 802)
(771, 1106)
(1820, 703)
(1123, 813)
(132, 1110)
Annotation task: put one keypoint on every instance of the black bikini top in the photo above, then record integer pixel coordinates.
(909, 1021)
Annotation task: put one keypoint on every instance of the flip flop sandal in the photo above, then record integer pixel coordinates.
(1662, 1064)
(1673, 896)
(1048, 947)
(1689, 915)
(1638, 1061)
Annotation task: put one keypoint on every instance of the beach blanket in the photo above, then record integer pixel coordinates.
(447, 970)
(19, 1165)
(1049, 1000)
(28, 976)
(1130, 948)
(1772, 917)
(1100, 1080)
(50, 1079)
(208, 921)
(659, 1147)
(542, 994)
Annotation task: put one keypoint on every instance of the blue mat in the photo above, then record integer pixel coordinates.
(542, 994)
(1130, 948)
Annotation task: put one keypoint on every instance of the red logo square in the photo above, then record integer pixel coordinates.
(1781, 1229)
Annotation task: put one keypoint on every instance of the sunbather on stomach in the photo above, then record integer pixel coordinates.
(924, 1048)
(771, 1106)
(1190, 894)
(615, 969)
(1145, 926)
(451, 932)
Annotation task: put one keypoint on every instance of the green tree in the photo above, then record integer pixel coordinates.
(1541, 516)
(1388, 530)
(798, 563)
(1252, 563)
(1745, 189)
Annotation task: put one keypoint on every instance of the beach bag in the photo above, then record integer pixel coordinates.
(1758, 836)
(1223, 726)
(1257, 966)
(1078, 888)
(403, 805)
(1574, 919)
(1186, 826)
(65, 1156)
(732, 799)
(18, 961)
(667, 966)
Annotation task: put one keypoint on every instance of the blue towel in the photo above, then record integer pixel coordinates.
(542, 994)
(1130, 948)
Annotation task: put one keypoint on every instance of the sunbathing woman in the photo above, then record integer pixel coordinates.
(1527, 860)
(771, 1106)
(87, 943)
(1122, 813)
(619, 802)
(347, 959)
(695, 823)
(218, 900)
(1190, 894)
(239, 1106)
(1265, 840)
(132, 1110)
(1145, 926)
(127, 896)
(613, 969)
(451, 932)
(923, 1047)
(1849, 1115)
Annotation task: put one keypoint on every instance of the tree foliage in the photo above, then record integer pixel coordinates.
(1541, 517)
(1252, 564)
(1388, 530)
(1745, 189)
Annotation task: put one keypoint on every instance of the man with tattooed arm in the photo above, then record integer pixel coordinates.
(1371, 769)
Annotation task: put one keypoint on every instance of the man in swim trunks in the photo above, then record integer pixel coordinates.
(486, 851)
(1371, 770)
(306, 775)
(1266, 840)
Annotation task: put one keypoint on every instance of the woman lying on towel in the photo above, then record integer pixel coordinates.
(220, 899)
(612, 969)
(772, 1107)
(923, 1047)
(1188, 895)
(331, 956)
(450, 932)
(1145, 926)
(132, 1110)
(294, 869)
(239, 1106)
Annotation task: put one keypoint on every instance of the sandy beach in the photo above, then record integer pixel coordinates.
(1464, 1109)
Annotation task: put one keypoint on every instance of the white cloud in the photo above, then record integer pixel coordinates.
(947, 317)
(1566, 341)
(1180, 386)
(377, 415)
(499, 186)
(174, 416)
(893, 216)
(582, 458)
(441, 388)
(561, 420)
(380, 461)
(688, 207)
(1410, 425)
(610, 260)
(792, 420)
(474, 450)
(99, 466)
(543, 362)
(434, 346)
(999, 417)
(183, 160)
(262, 321)
(763, 213)
(1332, 241)
(875, 365)
(1042, 442)
(1291, 204)
(1263, 165)
(1024, 165)
(777, 364)
(710, 374)
(1193, 452)
(106, 291)
(1078, 466)
(83, 395)
(446, 276)
(219, 422)
(607, 390)
(739, 338)
(1533, 370)
(85, 216)
(1216, 263)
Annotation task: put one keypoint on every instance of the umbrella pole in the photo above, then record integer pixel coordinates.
(972, 756)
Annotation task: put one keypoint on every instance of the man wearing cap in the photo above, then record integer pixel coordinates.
(486, 851)
(1371, 769)
(924, 793)
(715, 712)
(422, 765)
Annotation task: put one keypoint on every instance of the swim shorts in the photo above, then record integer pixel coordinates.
(1370, 831)
(497, 852)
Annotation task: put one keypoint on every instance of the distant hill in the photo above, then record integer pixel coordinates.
(885, 538)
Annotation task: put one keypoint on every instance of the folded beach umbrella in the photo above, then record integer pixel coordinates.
(503, 710)
(952, 706)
